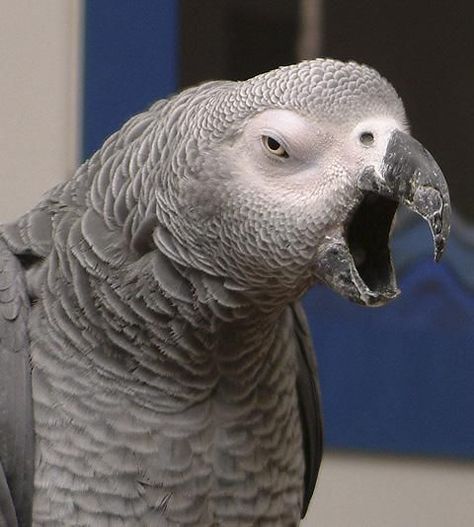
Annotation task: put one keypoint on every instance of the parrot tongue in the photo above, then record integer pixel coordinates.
(367, 236)
(357, 262)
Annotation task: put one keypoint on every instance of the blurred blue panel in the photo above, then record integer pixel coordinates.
(130, 61)
(399, 378)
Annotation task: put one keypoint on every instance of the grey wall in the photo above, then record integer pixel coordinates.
(39, 96)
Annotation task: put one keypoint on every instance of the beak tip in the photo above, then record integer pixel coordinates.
(440, 246)
(411, 176)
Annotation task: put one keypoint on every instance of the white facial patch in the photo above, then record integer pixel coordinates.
(380, 129)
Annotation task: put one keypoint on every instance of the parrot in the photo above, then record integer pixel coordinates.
(156, 365)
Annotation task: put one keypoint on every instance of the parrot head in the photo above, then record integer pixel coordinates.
(294, 177)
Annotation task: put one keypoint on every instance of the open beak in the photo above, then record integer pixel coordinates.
(358, 264)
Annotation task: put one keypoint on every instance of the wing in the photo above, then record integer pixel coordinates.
(16, 422)
(307, 386)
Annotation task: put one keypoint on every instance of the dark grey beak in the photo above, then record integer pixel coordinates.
(411, 176)
(357, 262)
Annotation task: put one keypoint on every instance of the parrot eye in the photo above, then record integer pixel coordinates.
(366, 138)
(273, 146)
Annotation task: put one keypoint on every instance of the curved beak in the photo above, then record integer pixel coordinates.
(411, 176)
(355, 261)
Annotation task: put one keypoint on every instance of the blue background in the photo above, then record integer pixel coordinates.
(130, 61)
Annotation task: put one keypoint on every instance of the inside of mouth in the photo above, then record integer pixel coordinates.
(368, 235)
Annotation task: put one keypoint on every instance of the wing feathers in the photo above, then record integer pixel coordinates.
(16, 424)
(308, 398)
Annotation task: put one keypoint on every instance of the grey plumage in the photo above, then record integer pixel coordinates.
(173, 377)
(16, 423)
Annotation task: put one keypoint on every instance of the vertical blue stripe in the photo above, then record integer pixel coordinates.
(130, 61)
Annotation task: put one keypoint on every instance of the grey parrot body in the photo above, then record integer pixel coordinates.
(173, 378)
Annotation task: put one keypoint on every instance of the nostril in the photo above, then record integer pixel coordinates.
(367, 138)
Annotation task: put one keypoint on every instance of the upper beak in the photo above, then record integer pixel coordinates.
(355, 260)
(411, 176)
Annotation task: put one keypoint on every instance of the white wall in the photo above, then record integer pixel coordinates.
(357, 490)
(39, 96)
(39, 126)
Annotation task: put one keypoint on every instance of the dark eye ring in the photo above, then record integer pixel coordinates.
(367, 138)
(274, 146)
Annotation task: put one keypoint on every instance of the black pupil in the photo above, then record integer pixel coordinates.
(367, 138)
(273, 144)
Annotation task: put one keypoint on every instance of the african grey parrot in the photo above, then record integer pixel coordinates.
(155, 295)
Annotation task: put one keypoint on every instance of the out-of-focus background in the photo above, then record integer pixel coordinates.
(397, 383)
